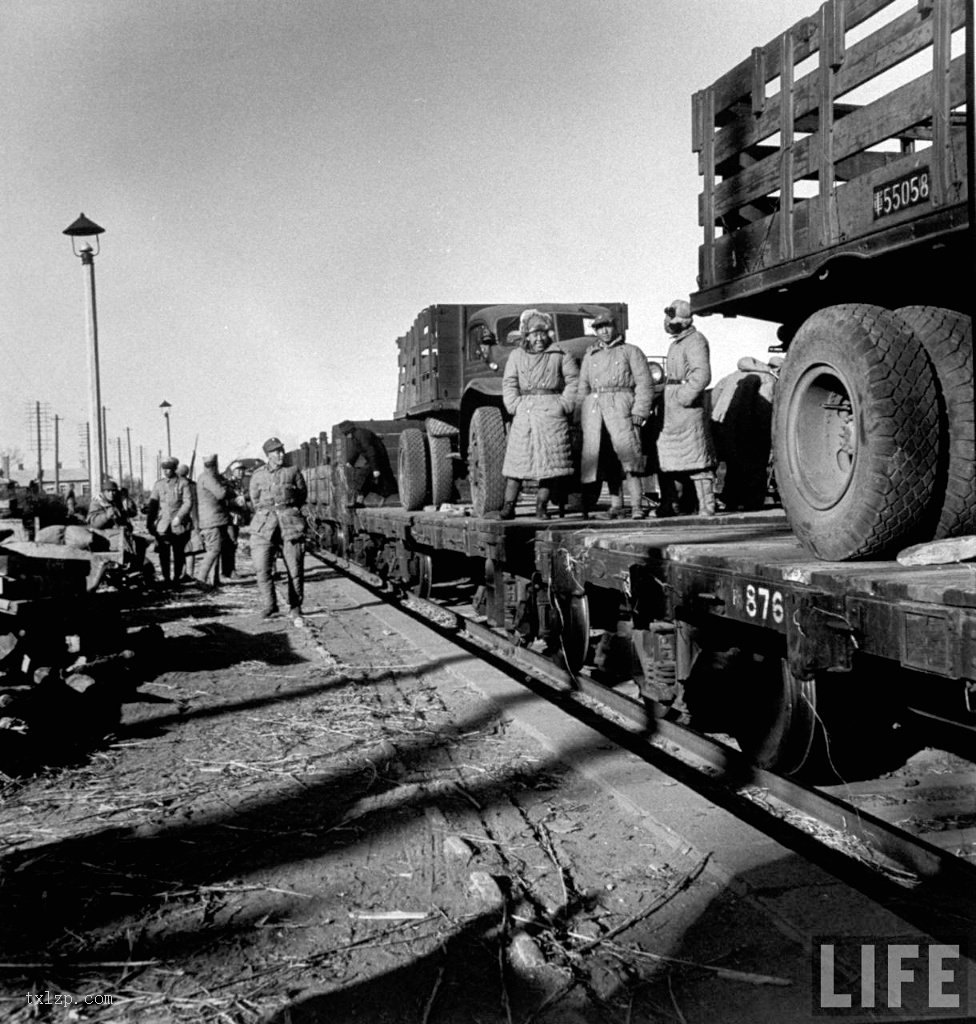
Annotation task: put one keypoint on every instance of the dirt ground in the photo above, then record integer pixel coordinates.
(328, 825)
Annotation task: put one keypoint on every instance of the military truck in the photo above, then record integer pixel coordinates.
(837, 192)
(451, 363)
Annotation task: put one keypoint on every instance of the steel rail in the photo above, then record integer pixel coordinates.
(896, 856)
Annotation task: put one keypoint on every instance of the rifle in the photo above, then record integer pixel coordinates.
(196, 441)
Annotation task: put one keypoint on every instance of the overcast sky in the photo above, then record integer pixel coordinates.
(285, 185)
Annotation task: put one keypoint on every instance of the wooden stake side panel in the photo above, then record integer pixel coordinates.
(749, 176)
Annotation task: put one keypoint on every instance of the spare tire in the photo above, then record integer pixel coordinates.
(855, 427)
(947, 337)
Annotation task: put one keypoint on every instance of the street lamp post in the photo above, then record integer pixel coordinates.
(165, 406)
(84, 229)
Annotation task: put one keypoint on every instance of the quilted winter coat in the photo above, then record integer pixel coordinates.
(539, 389)
(615, 384)
(685, 442)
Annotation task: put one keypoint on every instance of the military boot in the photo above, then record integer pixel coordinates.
(507, 511)
(705, 490)
(636, 494)
(542, 503)
(669, 497)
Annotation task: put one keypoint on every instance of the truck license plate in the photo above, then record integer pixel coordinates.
(909, 190)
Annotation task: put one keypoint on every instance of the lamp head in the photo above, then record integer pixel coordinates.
(83, 228)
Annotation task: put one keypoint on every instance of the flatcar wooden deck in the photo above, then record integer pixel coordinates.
(758, 574)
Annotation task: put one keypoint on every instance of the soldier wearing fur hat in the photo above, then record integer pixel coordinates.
(168, 519)
(278, 493)
(616, 392)
(684, 446)
(539, 389)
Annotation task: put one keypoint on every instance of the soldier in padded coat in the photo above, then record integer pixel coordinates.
(215, 499)
(615, 391)
(168, 519)
(684, 446)
(539, 389)
(278, 493)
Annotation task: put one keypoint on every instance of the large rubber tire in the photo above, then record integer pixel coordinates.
(412, 472)
(441, 470)
(486, 455)
(855, 434)
(947, 337)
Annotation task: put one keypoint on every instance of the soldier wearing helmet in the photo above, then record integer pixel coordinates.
(616, 392)
(684, 446)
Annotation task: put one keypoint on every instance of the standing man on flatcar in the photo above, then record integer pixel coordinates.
(278, 493)
(685, 448)
(615, 394)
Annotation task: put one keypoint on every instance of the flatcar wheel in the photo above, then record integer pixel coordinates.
(778, 726)
(574, 629)
(424, 578)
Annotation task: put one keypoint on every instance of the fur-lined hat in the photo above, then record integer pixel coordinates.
(533, 320)
(679, 312)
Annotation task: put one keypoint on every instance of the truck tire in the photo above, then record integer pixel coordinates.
(441, 470)
(947, 337)
(413, 477)
(486, 455)
(855, 433)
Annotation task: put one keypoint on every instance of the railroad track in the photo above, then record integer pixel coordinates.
(876, 835)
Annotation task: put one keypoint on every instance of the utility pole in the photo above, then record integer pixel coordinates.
(57, 456)
(40, 462)
(119, 441)
(105, 462)
(91, 465)
(142, 472)
(128, 444)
